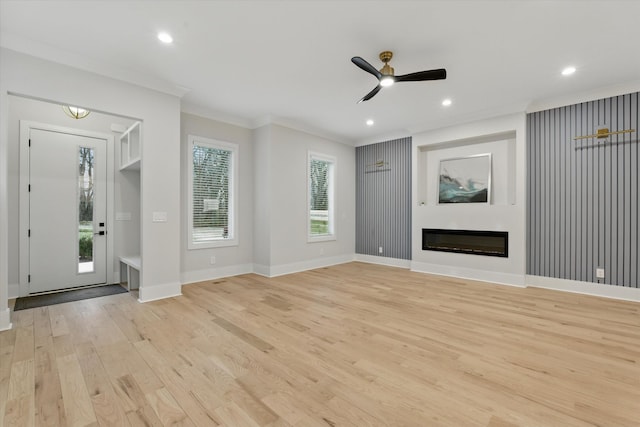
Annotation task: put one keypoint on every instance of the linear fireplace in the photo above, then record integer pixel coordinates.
(476, 242)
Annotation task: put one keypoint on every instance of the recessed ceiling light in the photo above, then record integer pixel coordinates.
(165, 38)
(369, 122)
(446, 102)
(568, 71)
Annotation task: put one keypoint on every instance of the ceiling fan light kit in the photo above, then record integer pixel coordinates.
(386, 75)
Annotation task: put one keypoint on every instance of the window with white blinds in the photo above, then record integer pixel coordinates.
(321, 173)
(212, 187)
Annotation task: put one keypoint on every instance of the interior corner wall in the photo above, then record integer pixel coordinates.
(282, 205)
(160, 172)
(196, 264)
(262, 199)
(383, 199)
(583, 207)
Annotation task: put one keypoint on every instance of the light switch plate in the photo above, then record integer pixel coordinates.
(159, 217)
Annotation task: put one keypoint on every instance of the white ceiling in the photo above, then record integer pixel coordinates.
(288, 62)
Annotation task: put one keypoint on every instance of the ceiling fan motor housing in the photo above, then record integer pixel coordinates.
(387, 70)
(385, 57)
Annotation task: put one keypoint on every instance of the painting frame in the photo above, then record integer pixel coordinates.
(463, 180)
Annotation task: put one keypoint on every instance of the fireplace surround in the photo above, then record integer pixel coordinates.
(474, 242)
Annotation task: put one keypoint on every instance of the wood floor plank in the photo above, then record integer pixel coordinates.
(19, 412)
(49, 402)
(232, 415)
(103, 397)
(167, 409)
(107, 411)
(77, 403)
(144, 417)
(350, 345)
(190, 398)
(20, 406)
(24, 346)
(7, 341)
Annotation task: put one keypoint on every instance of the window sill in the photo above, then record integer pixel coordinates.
(327, 238)
(213, 244)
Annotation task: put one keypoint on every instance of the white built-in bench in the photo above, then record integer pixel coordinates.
(130, 271)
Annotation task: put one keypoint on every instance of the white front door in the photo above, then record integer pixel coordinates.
(67, 210)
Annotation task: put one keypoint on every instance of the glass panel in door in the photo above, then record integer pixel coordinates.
(86, 157)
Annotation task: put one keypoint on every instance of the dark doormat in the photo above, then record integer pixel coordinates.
(67, 296)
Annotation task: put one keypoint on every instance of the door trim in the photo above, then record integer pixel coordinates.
(25, 130)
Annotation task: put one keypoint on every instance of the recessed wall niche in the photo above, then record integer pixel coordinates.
(503, 170)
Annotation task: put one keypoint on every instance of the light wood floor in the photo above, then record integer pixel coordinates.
(351, 345)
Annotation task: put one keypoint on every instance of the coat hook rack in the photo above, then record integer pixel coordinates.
(603, 133)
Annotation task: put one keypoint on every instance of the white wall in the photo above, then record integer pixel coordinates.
(44, 112)
(273, 203)
(504, 137)
(285, 198)
(195, 263)
(262, 199)
(160, 174)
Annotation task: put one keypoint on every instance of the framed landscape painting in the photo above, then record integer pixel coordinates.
(465, 179)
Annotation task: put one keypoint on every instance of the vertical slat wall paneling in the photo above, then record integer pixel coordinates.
(582, 203)
(634, 235)
(383, 199)
(529, 212)
(568, 193)
(604, 117)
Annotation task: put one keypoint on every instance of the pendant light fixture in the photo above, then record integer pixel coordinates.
(75, 112)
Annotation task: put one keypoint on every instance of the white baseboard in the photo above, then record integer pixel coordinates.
(588, 288)
(13, 291)
(470, 273)
(296, 267)
(381, 260)
(189, 277)
(156, 292)
(5, 319)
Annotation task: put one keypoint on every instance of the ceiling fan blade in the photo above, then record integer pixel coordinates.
(438, 74)
(371, 94)
(364, 65)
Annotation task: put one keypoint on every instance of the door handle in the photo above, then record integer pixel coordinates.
(100, 233)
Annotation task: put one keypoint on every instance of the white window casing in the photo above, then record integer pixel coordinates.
(321, 200)
(213, 183)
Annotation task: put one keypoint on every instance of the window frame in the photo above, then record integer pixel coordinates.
(331, 190)
(232, 240)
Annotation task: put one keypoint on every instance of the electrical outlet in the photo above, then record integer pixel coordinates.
(212, 260)
(380, 250)
(599, 273)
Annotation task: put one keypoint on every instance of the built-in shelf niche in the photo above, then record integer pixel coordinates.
(502, 148)
(128, 217)
(130, 148)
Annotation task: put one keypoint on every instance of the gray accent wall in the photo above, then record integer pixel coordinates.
(583, 204)
(383, 199)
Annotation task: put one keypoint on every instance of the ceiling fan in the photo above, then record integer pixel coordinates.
(386, 75)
